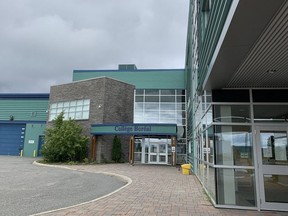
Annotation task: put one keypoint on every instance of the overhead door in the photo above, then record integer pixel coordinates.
(11, 138)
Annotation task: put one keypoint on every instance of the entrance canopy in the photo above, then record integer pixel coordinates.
(134, 129)
(253, 46)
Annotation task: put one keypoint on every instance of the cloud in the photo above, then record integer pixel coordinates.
(43, 41)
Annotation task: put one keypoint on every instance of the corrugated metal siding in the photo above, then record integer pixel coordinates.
(23, 110)
(11, 138)
(217, 17)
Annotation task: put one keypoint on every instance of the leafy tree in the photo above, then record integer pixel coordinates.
(64, 141)
(116, 150)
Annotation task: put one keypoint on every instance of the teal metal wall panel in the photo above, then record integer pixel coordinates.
(209, 34)
(23, 109)
(32, 134)
(11, 138)
(142, 79)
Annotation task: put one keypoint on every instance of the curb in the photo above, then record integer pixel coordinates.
(125, 178)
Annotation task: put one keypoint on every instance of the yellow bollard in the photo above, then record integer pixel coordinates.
(21, 153)
(34, 153)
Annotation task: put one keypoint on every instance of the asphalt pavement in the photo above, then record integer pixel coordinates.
(27, 189)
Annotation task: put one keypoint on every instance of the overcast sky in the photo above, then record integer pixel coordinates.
(42, 42)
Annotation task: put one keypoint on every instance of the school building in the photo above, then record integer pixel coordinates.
(225, 112)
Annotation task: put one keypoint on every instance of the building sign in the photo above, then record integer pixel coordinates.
(134, 129)
(173, 148)
(206, 150)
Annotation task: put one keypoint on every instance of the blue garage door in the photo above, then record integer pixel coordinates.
(11, 138)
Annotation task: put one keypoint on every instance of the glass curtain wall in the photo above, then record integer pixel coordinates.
(226, 141)
(224, 157)
(163, 106)
(191, 66)
(221, 134)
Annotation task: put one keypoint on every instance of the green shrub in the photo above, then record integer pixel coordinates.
(86, 160)
(116, 150)
(64, 141)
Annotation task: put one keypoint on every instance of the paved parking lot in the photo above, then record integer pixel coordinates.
(155, 190)
(27, 189)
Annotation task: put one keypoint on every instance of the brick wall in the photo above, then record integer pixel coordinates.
(111, 101)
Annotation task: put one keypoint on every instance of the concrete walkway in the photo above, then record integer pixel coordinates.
(155, 190)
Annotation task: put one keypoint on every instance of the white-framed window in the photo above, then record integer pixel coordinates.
(160, 106)
(76, 109)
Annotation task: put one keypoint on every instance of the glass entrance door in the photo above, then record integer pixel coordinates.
(272, 151)
(158, 152)
(153, 153)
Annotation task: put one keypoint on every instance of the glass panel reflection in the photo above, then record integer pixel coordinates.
(151, 106)
(231, 113)
(151, 114)
(233, 145)
(274, 147)
(152, 99)
(210, 145)
(153, 148)
(139, 91)
(137, 150)
(167, 98)
(152, 91)
(162, 158)
(211, 183)
(162, 148)
(276, 188)
(153, 158)
(270, 113)
(138, 107)
(236, 187)
(139, 99)
(168, 92)
(167, 106)
(181, 99)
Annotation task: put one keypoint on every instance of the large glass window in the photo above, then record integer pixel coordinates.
(222, 145)
(163, 106)
(160, 106)
(77, 109)
(236, 187)
(170, 99)
(270, 113)
(208, 145)
(276, 188)
(274, 147)
(233, 145)
(211, 182)
(168, 92)
(152, 92)
(231, 113)
(138, 150)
